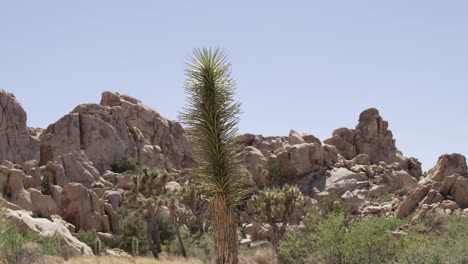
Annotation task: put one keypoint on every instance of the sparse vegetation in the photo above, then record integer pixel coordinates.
(126, 164)
(46, 183)
(277, 207)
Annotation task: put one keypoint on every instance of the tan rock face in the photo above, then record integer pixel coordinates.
(84, 209)
(119, 127)
(252, 159)
(448, 178)
(373, 138)
(449, 165)
(76, 168)
(16, 145)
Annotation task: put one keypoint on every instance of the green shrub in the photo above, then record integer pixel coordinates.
(202, 248)
(370, 241)
(46, 183)
(167, 232)
(294, 249)
(30, 247)
(132, 227)
(89, 238)
(332, 237)
(127, 164)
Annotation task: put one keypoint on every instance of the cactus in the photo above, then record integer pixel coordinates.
(135, 250)
(97, 247)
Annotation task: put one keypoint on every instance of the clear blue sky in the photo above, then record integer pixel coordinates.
(308, 65)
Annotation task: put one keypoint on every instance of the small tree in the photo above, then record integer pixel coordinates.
(277, 208)
(193, 197)
(147, 195)
(132, 228)
(46, 183)
(178, 214)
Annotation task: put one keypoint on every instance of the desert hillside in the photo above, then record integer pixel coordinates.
(116, 179)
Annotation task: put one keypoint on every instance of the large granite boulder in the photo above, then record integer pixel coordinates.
(16, 144)
(47, 228)
(448, 165)
(83, 208)
(120, 126)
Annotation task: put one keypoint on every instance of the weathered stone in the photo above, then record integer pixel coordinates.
(82, 208)
(119, 127)
(47, 228)
(16, 145)
(255, 163)
(448, 165)
(294, 138)
(410, 203)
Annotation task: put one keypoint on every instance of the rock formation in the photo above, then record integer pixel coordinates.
(120, 126)
(16, 145)
(372, 137)
(447, 183)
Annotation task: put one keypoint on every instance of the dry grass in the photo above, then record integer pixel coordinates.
(122, 260)
(262, 256)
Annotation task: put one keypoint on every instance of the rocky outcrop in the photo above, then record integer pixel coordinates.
(446, 181)
(47, 228)
(373, 138)
(449, 165)
(73, 167)
(83, 208)
(254, 161)
(120, 126)
(16, 145)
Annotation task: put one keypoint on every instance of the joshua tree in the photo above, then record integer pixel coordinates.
(192, 196)
(148, 195)
(212, 116)
(178, 213)
(276, 207)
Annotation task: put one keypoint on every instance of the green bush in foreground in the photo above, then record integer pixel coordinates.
(132, 230)
(334, 238)
(330, 237)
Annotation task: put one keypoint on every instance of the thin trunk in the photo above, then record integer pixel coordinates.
(275, 239)
(201, 231)
(156, 235)
(225, 231)
(149, 236)
(181, 242)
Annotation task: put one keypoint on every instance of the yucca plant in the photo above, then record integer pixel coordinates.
(212, 116)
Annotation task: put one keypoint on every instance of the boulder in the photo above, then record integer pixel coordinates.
(448, 165)
(76, 168)
(460, 191)
(301, 159)
(82, 208)
(342, 180)
(43, 205)
(114, 198)
(16, 145)
(412, 201)
(47, 228)
(254, 162)
(120, 126)
(294, 138)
